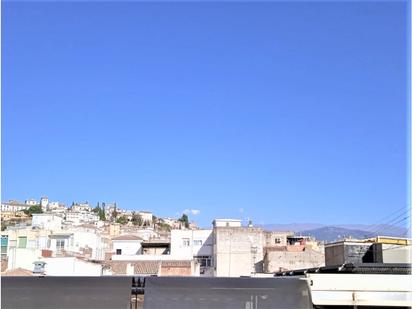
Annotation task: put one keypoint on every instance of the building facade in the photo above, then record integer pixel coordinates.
(194, 244)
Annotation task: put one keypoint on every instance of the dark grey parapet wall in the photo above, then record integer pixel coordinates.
(65, 292)
(346, 252)
(199, 293)
(160, 292)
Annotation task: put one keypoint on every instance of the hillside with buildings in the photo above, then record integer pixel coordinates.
(51, 239)
(106, 239)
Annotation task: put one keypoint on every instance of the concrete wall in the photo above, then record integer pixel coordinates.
(81, 239)
(155, 250)
(335, 255)
(22, 258)
(288, 260)
(227, 223)
(176, 268)
(276, 238)
(348, 252)
(397, 254)
(128, 247)
(71, 266)
(180, 250)
(47, 221)
(238, 251)
(145, 234)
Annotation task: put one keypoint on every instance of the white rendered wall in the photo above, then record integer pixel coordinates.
(128, 247)
(180, 250)
(70, 266)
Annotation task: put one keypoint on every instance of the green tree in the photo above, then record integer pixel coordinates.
(122, 220)
(100, 212)
(33, 210)
(164, 226)
(184, 219)
(3, 225)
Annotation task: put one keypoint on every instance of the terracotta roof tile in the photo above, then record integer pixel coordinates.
(140, 267)
(176, 263)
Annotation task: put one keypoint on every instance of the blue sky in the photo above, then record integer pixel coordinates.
(281, 112)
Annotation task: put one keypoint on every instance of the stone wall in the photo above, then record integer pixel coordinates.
(298, 258)
(238, 251)
(276, 238)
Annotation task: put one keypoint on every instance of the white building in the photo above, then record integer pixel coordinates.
(146, 216)
(194, 244)
(31, 202)
(126, 245)
(238, 251)
(173, 223)
(53, 205)
(79, 217)
(89, 241)
(13, 206)
(61, 242)
(70, 266)
(81, 207)
(109, 208)
(47, 221)
(59, 208)
(146, 233)
(54, 266)
(24, 245)
(227, 223)
(44, 203)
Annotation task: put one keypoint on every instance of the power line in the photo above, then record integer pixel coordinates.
(379, 222)
(393, 226)
(391, 221)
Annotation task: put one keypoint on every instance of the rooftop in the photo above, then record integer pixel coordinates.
(127, 237)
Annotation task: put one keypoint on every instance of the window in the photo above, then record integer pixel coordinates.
(197, 242)
(4, 242)
(186, 242)
(204, 261)
(12, 243)
(59, 245)
(118, 251)
(277, 240)
(22, 242)
(31, 244)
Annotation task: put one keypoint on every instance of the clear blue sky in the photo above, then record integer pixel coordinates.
(293, 112)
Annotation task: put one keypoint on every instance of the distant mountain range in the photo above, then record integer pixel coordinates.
(333, 233)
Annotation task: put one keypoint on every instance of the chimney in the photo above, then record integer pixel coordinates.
(39, 268)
